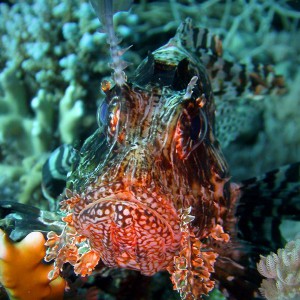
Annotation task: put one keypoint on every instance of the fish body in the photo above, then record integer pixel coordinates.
(151, 190)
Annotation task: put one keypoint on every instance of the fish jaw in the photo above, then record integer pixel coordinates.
(140, 234)
(123, 230)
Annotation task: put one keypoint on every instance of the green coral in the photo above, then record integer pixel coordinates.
(216, 295)
(52, 60)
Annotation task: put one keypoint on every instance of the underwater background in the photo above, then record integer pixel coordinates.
(53, 58)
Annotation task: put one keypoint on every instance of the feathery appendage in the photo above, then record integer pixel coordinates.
(105, 10)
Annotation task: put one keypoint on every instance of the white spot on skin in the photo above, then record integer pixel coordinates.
(156, 265)
(127, 221)
(107, 211)
(151, 219)
(153, 205)
(126, 212)
(149, 200)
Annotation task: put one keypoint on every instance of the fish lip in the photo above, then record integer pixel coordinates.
(126, 199)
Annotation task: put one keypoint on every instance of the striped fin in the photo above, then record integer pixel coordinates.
(196, 39)
(18, 220)
(266, 202)
(229, 79)
(55, 171)
(105, 10)
(91, 158)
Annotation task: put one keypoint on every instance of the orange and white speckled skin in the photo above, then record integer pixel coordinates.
(130, 231)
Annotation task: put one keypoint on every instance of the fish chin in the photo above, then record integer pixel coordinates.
(131, 232)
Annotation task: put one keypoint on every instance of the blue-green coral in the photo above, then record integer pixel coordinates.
(52, 59)
(49, 46)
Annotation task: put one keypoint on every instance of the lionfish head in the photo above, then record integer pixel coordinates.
(167, 110)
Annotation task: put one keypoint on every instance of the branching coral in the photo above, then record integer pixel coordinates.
(51, 62)
(282, 272)
(22, 272)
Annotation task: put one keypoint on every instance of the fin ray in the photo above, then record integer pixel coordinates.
(228, 79)
(266, 201)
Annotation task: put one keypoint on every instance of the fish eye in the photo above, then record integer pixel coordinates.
(102, 113)
(198, 127)
(190, 133)
(113, 117)
(108, 116)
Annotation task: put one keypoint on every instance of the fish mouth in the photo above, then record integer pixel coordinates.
(129, 233)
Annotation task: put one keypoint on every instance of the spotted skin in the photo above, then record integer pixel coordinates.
(130, 233)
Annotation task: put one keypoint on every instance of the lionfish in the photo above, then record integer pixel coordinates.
(150, 189)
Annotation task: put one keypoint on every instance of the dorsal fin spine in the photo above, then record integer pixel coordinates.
(105, 10)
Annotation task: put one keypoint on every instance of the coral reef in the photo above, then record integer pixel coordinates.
(254, 31)
(265, 32)
(22, 273)
(282, 272)
(52, 59)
